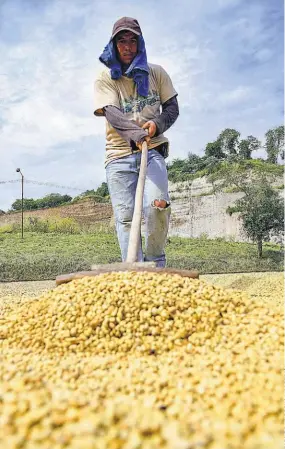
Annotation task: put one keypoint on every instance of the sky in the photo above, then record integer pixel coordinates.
(225, 58)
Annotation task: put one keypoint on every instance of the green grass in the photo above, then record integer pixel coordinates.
(219, 256)
(44, 256)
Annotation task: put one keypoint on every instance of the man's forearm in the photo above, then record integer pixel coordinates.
(170, 112)
(128, 130)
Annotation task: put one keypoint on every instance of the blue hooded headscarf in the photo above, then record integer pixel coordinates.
(138, 69)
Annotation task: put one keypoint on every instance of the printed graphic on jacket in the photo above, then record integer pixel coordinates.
(136, 104)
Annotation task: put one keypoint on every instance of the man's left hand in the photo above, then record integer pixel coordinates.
(151, 127)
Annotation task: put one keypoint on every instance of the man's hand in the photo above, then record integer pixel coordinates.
(139, 144)
(151, 127)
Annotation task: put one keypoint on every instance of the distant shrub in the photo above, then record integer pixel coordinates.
(53, 225)
(64, 226)
(36, 225)
(16, 227)
(6, 229)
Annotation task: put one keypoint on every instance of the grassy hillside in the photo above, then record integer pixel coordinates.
(44, 256)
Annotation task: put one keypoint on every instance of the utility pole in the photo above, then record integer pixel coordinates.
(19, 171)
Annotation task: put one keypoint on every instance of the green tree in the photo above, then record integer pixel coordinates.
(194, 163)
(53, 200)
(214, 149)
(229, 141)
(90, 192)
(28, 204)
(102, 190)
(101, 195)
(247, 146)
(261, 211)
(184, 169)
(226, 148)
(274, 144)
(176, 170)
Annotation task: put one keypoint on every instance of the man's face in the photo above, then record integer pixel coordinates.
(127, 46)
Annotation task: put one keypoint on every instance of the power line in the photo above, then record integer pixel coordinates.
(51, 184)
(12, 181)
(48, 184)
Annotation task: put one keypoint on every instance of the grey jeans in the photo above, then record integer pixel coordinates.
(122, 177)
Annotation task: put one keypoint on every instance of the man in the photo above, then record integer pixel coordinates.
(130, 93)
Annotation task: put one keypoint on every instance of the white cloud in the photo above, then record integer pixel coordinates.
(38, 124)
(236, 96)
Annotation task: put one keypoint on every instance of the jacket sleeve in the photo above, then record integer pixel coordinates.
(127, 129)
(170, 113)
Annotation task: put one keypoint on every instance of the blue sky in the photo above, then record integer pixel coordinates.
(225, 58)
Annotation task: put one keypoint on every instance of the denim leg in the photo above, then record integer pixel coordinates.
(122, 178)
(156, 219)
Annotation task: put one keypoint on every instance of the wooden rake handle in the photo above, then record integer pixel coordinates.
(135, 232)
(135, 268)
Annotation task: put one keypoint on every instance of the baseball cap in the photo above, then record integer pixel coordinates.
(126, 23)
